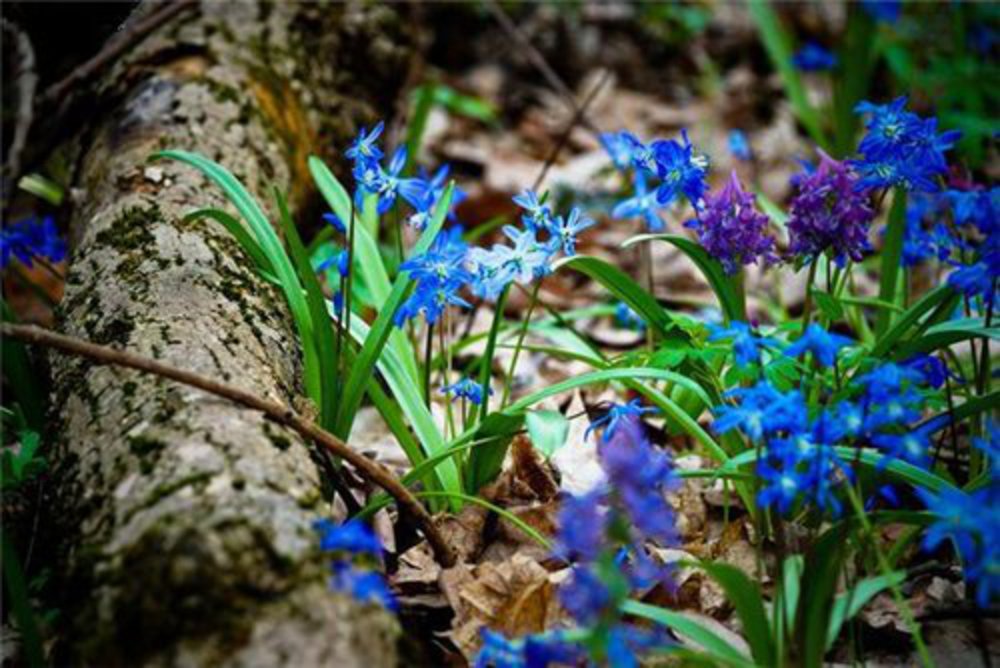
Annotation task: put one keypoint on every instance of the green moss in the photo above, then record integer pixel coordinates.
(278, 440)
(130, 230)
(143, 446)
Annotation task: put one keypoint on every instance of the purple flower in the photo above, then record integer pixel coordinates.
(585, 596)
(582, 527)
(828, 213)
(732, 230)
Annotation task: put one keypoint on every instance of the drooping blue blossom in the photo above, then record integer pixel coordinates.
(814, 57)
(731, 228)
(353, 537)
(333, 220)
(495, 269)
(443, 261)
(537, 216)
(681, 169)
(739, 145)
(339, 259)
(886, 11)
(618, 148)
(979, 207)
(362, 585)
(746, 345)
(614, 416)
(933, 369)
(565, 230)
(538, 650)
(30, 238)
(466, 388)
(829, 214)
(823, 345)
(431, 297)
(762, 410)
(643, 203)
(911, 446)
(387, 183)
(978, 278)
(582, 527)
(900, 148)
(585, 596)
(889, 397)
(782, 485)
(365, 147)
(626, 317)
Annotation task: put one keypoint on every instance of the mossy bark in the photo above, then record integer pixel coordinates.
(185, 519)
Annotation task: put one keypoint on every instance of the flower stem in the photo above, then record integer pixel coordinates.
(807, 305)
(487, 361)
(428, 352)
(509, 380)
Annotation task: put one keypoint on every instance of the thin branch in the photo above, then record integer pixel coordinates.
(116, 46)
(25, 83)
(371, 470)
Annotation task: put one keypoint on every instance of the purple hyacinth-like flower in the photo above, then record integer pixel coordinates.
(582, 527)
(828, 213)
(731, 228)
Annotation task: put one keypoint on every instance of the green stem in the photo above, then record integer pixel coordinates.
(892, 251)
(807, 306)
(486, 367)
(509, 380)
(17, 593)
(428, 345)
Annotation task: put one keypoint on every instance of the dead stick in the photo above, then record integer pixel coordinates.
(373, 471)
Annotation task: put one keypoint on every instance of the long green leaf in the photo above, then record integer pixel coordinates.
(848, 604)
(945, 334)
(20, 375)
(271, 246)
(505, 514)
(383, 326)
(322, 329)
(745, 596)
(939, 297)
(243, 238)
(730, 300)
(890, 267)
(703, 636)
(820, 574)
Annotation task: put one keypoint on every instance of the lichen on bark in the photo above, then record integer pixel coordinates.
(186, 525)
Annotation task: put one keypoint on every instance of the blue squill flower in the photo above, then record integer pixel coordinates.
(762, 410)
(626, 317)
(813, 57)
(353, 537)
(643, 203)
(886, 11)
(911, 446)
(537, 216)
(362, 585)
(339, 259)
(565, 230)
(739, 145)
(746, 344)
(979, 278)
(614, 416)
(681, 171)
(618, 148)
(781, 484)
(823, 345)
(335, 222)
(31, 238)
(365, 147)
(431, 297)
(466, 388)
(979, 207)
(537, 650)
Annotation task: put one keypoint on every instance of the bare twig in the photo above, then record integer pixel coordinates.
(25, 83)
(538, 60)
(116, 46)
(373, 471)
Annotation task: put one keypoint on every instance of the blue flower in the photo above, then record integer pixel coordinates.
(739, 145)
(781, 485)
(537, 650)
(495, 269)
(387, 183)
(466, 388)
(980, 207)
(443, 261)
(340, 259)
(763, 410)
(823, 345)
(364, 147)
(353, 537)
(886, 11)
(626, 317)
(614, 416)
(681, 170)
(537, 217)
(431, 297)
(565, 230)
(911, 446)
(746, 345)
(900, 148)
(362, 585)
(618, 147)
(585, 596)
(813, 57)
(582, 527)
(978, 278)
(644, 203)
(933, 369)
(31, 238)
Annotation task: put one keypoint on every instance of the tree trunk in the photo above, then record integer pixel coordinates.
(187, 520)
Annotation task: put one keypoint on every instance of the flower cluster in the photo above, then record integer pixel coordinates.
(900, 148)
(440, 275)
(352, 542)
(468, 389)
(676, 167)
(814, 57)
(746, 345)
(29, 239)
(828, 213)
(731, 228)
(975, 534)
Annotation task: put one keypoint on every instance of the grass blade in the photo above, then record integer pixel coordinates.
(745, 596)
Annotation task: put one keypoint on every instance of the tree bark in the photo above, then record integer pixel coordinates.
(186, 520)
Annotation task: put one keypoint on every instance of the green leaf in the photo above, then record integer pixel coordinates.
(548, 430)
(730, 299)
(745, 596)
(383, 327)
(485, 461)
(690, 628)
(945, 334)
(42, 187)
(323, 339)
(366, 257)
(890, 267)
(243, 238)
(791, 586)
(850, 603)
(829, 305)
(624, 288)
(778, 44)
(271, 246)
(820, 574)
(940, 298)
(22, 378)
(505, 514)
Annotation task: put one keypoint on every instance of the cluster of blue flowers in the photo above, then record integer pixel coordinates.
(350, 543)
(31, 238)
(900, 148)
(960, 517)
